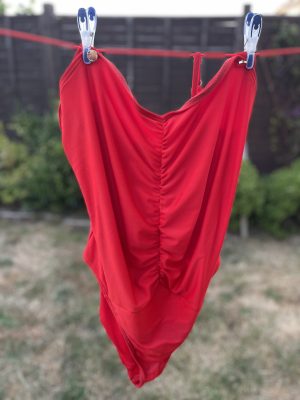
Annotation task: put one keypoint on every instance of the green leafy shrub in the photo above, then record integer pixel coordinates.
(12, 172)
(281, 211)
(34, 172)
(249, 198)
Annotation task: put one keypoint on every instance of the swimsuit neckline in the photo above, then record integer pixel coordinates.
(192, 99)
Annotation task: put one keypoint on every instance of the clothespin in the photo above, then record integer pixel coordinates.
(87, 23)
(252, 31)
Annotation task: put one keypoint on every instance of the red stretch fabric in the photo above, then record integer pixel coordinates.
(159, 189)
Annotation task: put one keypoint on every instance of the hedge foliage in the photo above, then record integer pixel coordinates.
(272, 202)
(35, 175)
(281, 211)
(249, 197)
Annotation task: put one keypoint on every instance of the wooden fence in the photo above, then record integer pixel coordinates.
(29, 71)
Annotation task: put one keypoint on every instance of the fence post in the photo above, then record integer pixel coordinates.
(130, 58)
(9, 91)
(203, 45)
(244, 222)
(47, 28)
(166, 81)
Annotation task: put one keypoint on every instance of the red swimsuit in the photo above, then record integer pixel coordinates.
(159, 190)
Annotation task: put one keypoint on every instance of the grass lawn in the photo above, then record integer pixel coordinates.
(245, 344)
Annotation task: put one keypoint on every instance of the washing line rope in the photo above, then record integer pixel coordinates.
(141, 51)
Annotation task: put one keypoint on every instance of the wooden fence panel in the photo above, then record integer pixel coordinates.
(29, 72)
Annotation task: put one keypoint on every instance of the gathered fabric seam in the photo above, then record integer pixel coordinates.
(162, 148)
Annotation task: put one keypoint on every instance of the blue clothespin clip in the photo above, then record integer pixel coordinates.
(252, 31)
(87, 23)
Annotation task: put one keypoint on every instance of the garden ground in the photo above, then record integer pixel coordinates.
(245, 344)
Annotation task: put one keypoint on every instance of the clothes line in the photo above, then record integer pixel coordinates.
(141, 51)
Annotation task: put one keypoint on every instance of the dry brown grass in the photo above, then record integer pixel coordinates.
(244, 346)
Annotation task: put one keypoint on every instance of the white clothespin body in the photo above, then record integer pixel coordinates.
(252, 31)
(87, 23)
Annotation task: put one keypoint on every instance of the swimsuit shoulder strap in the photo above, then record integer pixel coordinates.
(196, 78)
